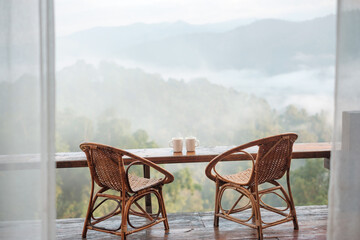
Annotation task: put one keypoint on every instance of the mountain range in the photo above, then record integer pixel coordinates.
(271, 46)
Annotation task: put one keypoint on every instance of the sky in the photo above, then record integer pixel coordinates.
(76, 15)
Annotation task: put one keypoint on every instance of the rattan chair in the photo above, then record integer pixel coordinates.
(272, 162)
(107, 170)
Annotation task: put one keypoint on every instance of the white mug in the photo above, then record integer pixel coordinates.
(176, 144)
(191, 143)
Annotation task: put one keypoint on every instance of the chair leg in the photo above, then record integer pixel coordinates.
(85, 225)
(88, 213)
(163, 210)
(257, 214)
(125, 205)
(292, 209)
(295, 222)
(260, 233)
(217, 204)
(291, 201)
(253, 220)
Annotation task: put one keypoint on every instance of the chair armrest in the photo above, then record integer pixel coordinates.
(168, 176)
(212, 164)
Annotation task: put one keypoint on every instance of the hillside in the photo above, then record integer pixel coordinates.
(172, 107)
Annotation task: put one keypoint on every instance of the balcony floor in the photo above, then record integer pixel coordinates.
(312, 222)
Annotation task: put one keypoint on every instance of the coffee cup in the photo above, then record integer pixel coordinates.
(191, 143)
(176, 144)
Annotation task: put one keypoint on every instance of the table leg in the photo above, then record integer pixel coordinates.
(146, 170)
(327, 163)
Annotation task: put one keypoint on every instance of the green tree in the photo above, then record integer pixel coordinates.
(184, 194)
(310, 128)
(73, 185)
(310, 183)
(72, 192)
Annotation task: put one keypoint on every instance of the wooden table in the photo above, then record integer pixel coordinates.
(159, 156)
(202, 154)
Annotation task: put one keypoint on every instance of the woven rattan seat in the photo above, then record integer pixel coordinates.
(107, 169)
(272, 162)
(139, 183)
(239, 178)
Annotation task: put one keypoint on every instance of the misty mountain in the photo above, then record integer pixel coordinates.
(271, 46)
(103, 41)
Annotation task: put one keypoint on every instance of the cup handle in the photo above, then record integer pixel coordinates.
(197, 143)
(170, 143)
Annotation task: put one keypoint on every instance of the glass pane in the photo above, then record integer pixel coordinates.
(135, 74)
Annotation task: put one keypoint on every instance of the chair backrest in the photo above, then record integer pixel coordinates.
(274, 157)
(106, 165)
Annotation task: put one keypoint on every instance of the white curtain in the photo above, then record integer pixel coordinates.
(27, 107)
(344, 194)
